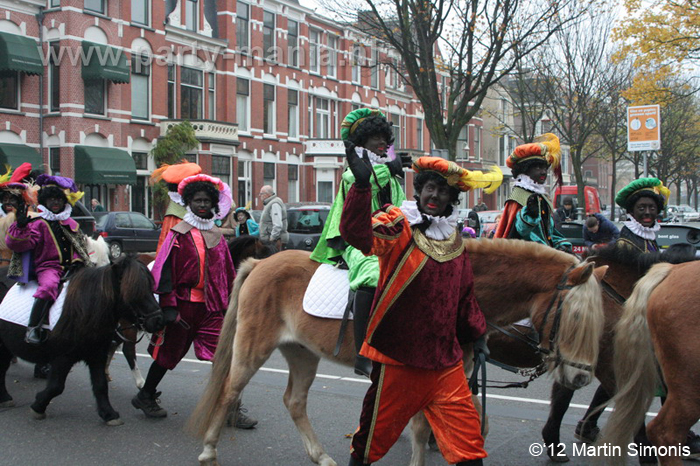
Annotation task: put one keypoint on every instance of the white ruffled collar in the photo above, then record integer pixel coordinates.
(373, 158)
(648, 233)
(2, 212)
(440, 228)
(46, 214)
(176, 198)
(198, 222)
(527, 183)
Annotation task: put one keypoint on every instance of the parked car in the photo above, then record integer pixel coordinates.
(127, 232)
(305, 224)
(488, 221)
(688, 213)
(84, 217)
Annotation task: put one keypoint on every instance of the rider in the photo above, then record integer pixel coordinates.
(56, 242)
(193, 298)
(528, 211)
(425, 308)
(246, 225)
(369, 129)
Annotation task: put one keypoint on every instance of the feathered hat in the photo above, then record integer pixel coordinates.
(175, 173)
(353, 119)
(16, 184)
(225, 198)
(460, 178)
(652, 185)
(67, 185)
(546, 147)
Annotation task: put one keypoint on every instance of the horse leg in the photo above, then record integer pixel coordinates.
(129, 350)
(561, 398)
(56, 383)
(110, 355)
(671, 426)
(302, 372)
(587, 429)
(420, 433)
(100, 388)
(5, 361)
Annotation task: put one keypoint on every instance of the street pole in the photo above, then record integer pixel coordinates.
(646, 171)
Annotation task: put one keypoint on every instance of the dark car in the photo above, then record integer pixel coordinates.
(127, 232)
(305, 224)
(84, 217)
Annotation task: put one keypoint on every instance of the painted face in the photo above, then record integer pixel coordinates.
(241, 217)
(9, 202)
(538, 172)
(55, 204)
(645, 211)
(434, 198)
(201, 205)
(377, 144)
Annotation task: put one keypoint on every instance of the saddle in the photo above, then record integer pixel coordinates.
(18, 302)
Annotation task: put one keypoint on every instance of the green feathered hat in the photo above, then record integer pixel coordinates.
(653, 185)
(353, 119)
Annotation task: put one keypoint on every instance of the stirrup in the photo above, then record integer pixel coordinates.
(363, 366)
(35, 335)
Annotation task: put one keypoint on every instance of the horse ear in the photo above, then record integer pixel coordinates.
(599, 272)
(580, 274)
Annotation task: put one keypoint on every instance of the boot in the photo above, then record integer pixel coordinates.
(148, 403)
(36, 334)
(356, 462)
(360, 310)
(693, 443)
(586, 432)
(243, 421)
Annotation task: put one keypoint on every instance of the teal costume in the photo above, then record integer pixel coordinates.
(534, 226)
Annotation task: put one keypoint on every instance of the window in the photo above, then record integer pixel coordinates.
(419, 133)
(325, 191)
(477, 143)
(269, 36)
(357, 64)
(242, 18)
(242, 100)
(221, 167)
(140, 100)
(332, 56)
(374, 71)
(55, 160)
(191, 20)
(502, 148)
(244, 182)
(314, 58)
(396, 128)
(140, 160)
(293, 42)
(269, 109)
(212, 96)
(54, 78)
(269, 173)
(9, 91)
(98, 6)
(292, 183)
(323, 118)
(95, 96)
(171, 91)
(139, 12)
(191, 94)
(293, 113)
(463, 143)
(54, 3)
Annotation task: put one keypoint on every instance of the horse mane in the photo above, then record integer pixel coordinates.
(240, 243)
(513, 247)
(675, 254)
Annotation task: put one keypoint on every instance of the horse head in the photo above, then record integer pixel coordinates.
(135, 293)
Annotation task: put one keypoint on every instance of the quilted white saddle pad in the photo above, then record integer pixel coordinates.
(18, 302)
(327, 293)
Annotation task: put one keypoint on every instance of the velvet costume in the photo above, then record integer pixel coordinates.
(636, 243)
(424, 308)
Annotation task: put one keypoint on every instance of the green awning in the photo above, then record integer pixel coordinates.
(103, 62)
(103, 165)
(15, 155)
(20, 53)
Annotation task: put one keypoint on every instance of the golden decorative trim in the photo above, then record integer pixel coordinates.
(377, 399)
(441, 251)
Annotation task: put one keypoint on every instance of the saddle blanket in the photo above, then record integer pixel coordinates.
(18, 302)
(327, 293)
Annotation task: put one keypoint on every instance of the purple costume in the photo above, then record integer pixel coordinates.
(49, 256)
(177, 272)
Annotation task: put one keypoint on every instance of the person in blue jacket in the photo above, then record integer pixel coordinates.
(246, 225)
(599, 231)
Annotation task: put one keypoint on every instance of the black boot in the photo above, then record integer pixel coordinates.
(360, 311)
(148, 403)
(35, 333)
(356, 462)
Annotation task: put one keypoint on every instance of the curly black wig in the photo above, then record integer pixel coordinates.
(197, 186)
(369, 127)
(172, 187)
(525, 165)
(632, 200)
(423, 177)
(51, 191)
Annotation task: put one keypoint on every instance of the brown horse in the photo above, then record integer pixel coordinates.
(658, 330)
(549, 287)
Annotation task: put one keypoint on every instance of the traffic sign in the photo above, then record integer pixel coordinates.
(643, 128)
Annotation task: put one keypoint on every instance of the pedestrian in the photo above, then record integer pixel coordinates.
(365, 130)
(13, 193)
(599, 231)
(425, 307)
(566, 212)
(96, 206)
(193, 297)
(273, 221)
(246, 225)
(480, 206)
(474, 222)
(528, 212)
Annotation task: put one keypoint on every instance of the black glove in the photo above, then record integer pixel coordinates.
(533, 208)
(480, 346)
(566, 248)
(396, 166)
(170, 315)
(360, 167)
(21, 215)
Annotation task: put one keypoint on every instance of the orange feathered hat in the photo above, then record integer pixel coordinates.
(460, 178)
(175, 173)
(546, 147)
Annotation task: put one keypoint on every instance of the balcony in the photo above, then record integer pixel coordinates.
(208, 130)
(324, 147)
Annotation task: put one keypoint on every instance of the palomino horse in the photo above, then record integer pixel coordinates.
(658, 330)
(96, 299)
(264, 317)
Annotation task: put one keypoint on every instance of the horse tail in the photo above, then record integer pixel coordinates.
(216, 393)
(636, 373)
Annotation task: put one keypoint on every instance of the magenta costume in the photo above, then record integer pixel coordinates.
(177, 274)
(51, 256)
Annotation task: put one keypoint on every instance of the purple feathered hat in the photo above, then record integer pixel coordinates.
(66, 184)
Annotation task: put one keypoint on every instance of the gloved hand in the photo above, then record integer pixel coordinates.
(480, 346)
(532, 206)
(170, 315)
(396, 166)
(21, 215)
(360, 167)
(565, 247)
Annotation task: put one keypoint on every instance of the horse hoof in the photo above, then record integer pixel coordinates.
(38, 416)
(7, 404)
(115, 422)
(563, 458)
(327, 461)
